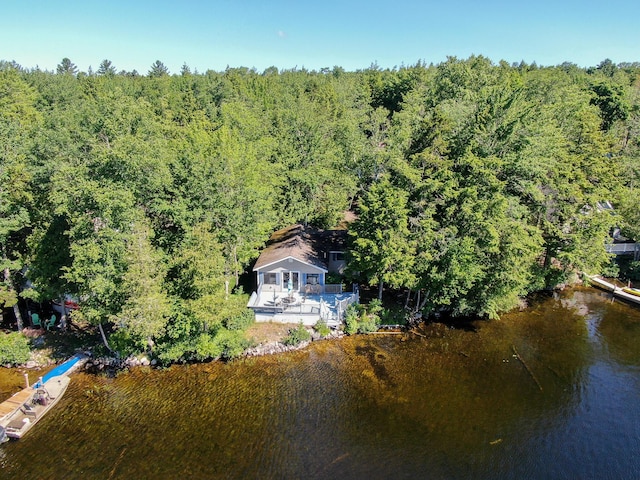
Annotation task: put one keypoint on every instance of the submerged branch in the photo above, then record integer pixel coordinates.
(515, 352)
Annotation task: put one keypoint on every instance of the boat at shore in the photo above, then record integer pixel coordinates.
(631, 291)
(20, 412)
(44, 397)
(625, 293)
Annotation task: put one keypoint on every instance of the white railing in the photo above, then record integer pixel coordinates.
(333, 288)
(325, 312)
(622, 248)
(342, 305)
(318, 289)
(253, 301)
(337, 311)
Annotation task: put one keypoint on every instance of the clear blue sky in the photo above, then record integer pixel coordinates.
(286, 34)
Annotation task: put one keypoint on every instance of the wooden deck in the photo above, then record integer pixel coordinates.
(9, 406)
(308, 308)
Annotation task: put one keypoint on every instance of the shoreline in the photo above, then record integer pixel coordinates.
(40, 361)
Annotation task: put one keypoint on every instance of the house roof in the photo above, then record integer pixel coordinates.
(308, 245)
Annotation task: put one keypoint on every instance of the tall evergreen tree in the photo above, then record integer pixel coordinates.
(146, 310)
(158, 69)
(381, 249)
(106, 68)
(66, 67)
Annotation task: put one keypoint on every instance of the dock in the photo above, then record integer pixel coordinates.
(10, 406)
(53, 384)
(618, 292)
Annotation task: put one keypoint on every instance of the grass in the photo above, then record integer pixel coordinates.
(266, 332)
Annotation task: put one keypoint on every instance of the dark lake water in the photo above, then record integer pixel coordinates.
(453, 403)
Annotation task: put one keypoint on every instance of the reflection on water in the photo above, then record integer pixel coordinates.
(454, 403)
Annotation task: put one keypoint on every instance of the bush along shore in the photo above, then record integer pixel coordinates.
(107, 364)
(42, 356)
(33, 350)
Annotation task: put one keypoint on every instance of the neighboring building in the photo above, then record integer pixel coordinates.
(291, 277)
(619, 245)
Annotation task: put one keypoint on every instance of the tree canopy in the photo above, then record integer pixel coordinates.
(148, 196)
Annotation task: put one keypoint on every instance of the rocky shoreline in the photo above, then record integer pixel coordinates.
(271, 348)
(112, 364)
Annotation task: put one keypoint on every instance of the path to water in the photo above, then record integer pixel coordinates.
(457, 404)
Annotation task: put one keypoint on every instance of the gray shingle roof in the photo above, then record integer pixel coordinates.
(306, 244)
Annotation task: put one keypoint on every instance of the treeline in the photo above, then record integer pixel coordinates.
(147, 196)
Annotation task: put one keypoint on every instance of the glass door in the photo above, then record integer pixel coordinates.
(291, 281)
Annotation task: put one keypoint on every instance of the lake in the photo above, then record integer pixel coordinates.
(552, 392)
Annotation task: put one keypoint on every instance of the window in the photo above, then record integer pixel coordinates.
(337, 256)
(312, 279)
(271, 278)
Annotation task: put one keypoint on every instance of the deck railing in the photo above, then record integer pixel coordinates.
(333, 288)
(624, 249)
(331, 309)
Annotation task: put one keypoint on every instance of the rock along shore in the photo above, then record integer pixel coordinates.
(112, 364)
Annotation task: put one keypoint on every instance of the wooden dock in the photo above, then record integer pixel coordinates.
(28, 414)
(53, 384)
(13, 403)
(600, 282)
(617, 292)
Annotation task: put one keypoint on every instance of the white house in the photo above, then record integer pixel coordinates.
(291, 277)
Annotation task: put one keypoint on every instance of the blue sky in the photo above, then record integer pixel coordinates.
(286, 34)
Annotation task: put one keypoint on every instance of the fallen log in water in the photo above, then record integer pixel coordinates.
(417, 333)
(113, 470)
(517, 355)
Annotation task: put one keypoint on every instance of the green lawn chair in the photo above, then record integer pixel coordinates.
(51, 322)
(35, 320)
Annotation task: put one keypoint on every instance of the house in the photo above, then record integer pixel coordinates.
(291, 277)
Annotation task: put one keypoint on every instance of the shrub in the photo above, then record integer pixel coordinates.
(297, 335)
(375, 307)
(231, 343)
(351, 325)
(394, 316)
(357, 320)
(225, 344)
(126, 344)
(322, 328)
(207, 347)
(351, 319)
(169, 353)
(368, 324)
(611, 270)
(14, 348)
(241, 321)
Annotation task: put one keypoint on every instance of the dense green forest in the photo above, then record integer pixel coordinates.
(145, 196)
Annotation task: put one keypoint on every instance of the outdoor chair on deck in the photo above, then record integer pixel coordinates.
(313, 289)
(35, 320)
(51, 322)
